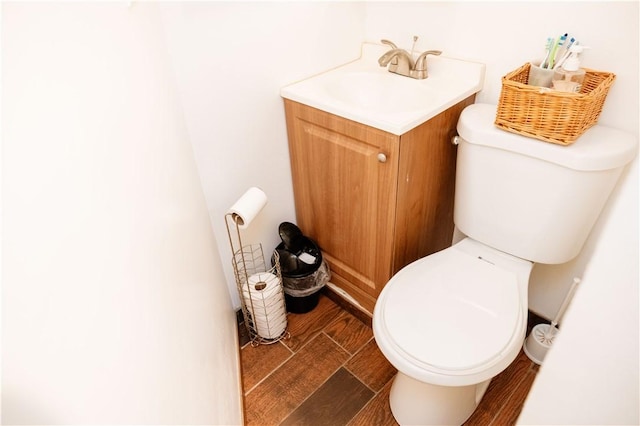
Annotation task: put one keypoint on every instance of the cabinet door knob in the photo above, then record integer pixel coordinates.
(382, 158)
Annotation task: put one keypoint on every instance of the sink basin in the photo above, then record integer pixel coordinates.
(380, 92)
(364, 92)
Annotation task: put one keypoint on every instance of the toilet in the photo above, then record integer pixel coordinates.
(453, 320)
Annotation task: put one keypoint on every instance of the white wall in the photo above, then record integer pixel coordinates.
(591, 374)
(115, 309)
(231, 59)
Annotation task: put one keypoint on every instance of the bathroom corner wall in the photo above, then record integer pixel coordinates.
(591, 374)
(230, 61)
(115, 309)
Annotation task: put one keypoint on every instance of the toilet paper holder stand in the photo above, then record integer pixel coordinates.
(265, 318)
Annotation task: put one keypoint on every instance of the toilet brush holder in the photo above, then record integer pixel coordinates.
(541, 337)
(539, 341)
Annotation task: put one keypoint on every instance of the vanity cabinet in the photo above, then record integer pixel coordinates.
(372, 200)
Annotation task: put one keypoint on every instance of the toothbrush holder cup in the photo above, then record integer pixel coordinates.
(540, 76)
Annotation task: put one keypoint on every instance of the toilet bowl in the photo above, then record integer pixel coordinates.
(450, 322)
(453, 320)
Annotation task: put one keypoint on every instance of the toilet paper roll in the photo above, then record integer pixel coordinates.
(263, 297)
(248, 206)
(261, 286)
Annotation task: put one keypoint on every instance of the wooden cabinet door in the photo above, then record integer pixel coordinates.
(344, 181)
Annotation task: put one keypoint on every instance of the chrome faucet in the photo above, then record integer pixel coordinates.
(400, 61)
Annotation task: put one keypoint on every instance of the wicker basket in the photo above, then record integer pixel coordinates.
(549, 115)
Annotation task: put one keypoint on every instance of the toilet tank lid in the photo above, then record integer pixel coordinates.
(599, 148)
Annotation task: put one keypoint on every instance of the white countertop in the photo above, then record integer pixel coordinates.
(367, 93)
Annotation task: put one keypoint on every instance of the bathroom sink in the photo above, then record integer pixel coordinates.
(364, 92)
(375, 91)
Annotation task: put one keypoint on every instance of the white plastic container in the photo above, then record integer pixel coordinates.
(569, 77)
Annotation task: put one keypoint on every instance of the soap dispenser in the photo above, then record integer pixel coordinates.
(569, 77)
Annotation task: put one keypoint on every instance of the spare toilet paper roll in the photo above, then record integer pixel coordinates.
(263, 297)
(261, 286)
(248, 206)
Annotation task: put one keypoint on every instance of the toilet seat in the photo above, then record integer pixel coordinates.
(451, 316)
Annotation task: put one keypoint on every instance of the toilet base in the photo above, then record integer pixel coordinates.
(417, 403)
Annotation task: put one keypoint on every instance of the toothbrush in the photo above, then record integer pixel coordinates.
(565, 53)
(565, 47)
(558, 44)
(548, 50)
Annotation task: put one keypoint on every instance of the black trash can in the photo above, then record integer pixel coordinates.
(304, 272)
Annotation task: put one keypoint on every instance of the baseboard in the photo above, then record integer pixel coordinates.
(355, 310)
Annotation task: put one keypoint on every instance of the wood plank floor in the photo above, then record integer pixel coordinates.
(331, 372)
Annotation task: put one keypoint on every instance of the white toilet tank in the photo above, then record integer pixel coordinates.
(533, 199)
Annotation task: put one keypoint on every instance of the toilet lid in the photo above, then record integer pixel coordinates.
(451, 311)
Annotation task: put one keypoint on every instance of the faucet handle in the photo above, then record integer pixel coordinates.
(421, 62)
(389, 43)
(393, 66)
(420, 69)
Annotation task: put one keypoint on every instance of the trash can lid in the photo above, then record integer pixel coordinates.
(299, 264)
(291, 236)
